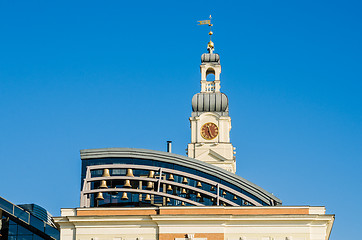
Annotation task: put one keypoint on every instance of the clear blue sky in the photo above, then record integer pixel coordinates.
(94, 74)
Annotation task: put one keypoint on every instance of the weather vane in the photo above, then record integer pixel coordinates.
(210, 45)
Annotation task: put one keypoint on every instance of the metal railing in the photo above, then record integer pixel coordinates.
(219, 195)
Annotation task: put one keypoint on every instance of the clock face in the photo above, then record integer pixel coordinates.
(209, 131)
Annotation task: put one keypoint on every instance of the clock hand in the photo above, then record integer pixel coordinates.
(208, 128)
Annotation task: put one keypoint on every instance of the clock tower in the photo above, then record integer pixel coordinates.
(210, 122)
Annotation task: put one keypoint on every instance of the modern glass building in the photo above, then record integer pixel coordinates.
(126, 177)
(38, 212)
(18, 223)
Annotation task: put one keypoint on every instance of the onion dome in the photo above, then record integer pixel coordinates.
(210, 58)
(210, 102)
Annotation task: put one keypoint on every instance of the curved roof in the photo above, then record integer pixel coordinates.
(210, 102)
(210, 58)
(192, 163)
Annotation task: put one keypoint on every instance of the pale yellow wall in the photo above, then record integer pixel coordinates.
(214, 223)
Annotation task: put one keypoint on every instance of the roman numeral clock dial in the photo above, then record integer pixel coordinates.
(209, 131)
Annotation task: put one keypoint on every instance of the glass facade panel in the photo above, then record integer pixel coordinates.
(37, 223)
(17, 231)
(25, 237)
(49, 230)
(36, 237)
(96, 173)
(13, 228)
(23, 231)
(7, 206)
(118, 172)
(20, 213)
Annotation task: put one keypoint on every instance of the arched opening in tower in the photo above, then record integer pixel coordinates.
(210, 74)
(210, 78)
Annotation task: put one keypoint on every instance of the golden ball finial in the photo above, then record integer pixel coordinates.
(210, 44)
(210, 33)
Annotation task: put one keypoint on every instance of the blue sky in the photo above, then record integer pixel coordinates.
(93, 74)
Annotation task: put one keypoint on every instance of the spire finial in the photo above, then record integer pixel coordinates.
(210, 25)
(210, 45)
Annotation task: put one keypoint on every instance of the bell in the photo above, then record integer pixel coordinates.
(127, 184)
(183, 191)
(124, 196)
(235, 198)
(170, 178)
(182, 204)
(199, 184)
(184, 180)
(148, 197)
(212, 199)
(100, 196)
(103, 184)
(212, 188)
(149, 185)
(198, 195)
(246, 203)
(106, 173)
(129, 172)
(151, 174)
(169, 188)
(224, 204)
(168, 200)
(223, 193)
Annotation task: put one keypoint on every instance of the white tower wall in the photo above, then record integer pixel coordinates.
(211, 106)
